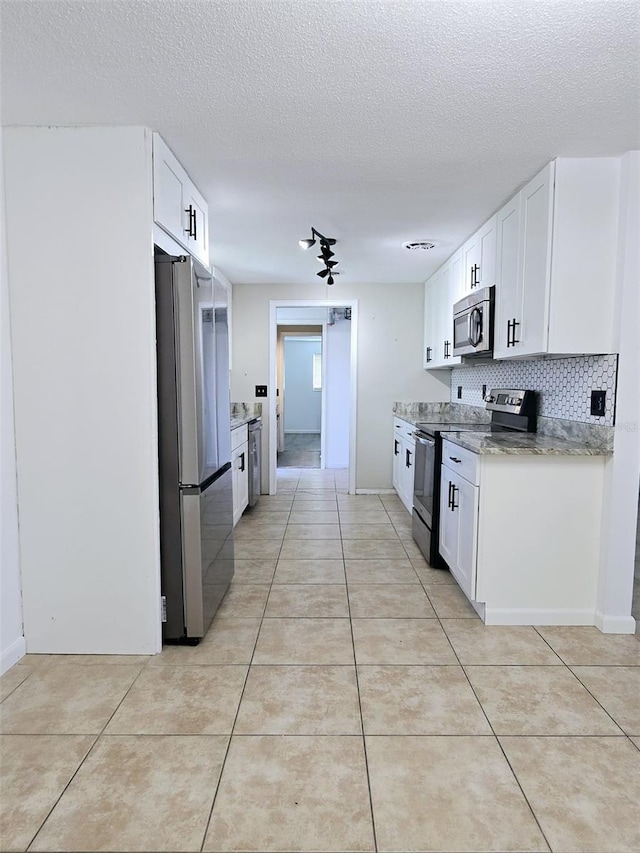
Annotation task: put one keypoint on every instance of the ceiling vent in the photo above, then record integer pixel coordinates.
(419, 244)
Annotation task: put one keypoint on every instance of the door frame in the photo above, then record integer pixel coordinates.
(274, 304)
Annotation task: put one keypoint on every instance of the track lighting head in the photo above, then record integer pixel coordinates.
(325, 253)
(306, 244)
(324, 273)
(330, 279)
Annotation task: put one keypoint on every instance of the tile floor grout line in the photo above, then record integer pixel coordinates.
(89, 751)
(13, 690)
(364, 740)
(595, 699)
(235, 718)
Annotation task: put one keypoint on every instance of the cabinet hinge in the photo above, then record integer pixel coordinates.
(163, 607)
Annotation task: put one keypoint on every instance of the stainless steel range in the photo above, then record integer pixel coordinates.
(510, 410)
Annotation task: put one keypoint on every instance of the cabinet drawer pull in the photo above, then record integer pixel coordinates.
(395, 447)
(455, 459)
(407, 459)
(454, 505)
(191, 230)
(449, 499)
(429, 351)
(242, 461)
(474, 276)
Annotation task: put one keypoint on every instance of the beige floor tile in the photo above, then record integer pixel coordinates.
(34, 771)
(138, 794)
(308, 503)
(389, 601)
(380, 571)
(477, 643)
(413, 552)
(308, 600)
(304, 641)
(373, 550)
(244, 599)
(636, 741)
(450, 602)
(447, 794)
(181, 700)
(584, 791)
(254, 571)
(310, 571)
(13, 678)
(300, 516)
(278, 503)
(300, 700)
(587, 646)
(429, 576)
(369, 531)
(355, 502)
(617, 688)
(315, 495)
(538, 700)
(72, 699)
(292, 793)
(401, 517)
(392, 503)
(311, 549)
(255, 530)
(401, 641)
(263, 549)
(364, 516)
(264, 516)
(312, 531)
(229, 640)
(419, 700)
(402, 525)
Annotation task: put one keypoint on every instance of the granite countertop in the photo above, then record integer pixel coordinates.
(523, 444)
(239, 420)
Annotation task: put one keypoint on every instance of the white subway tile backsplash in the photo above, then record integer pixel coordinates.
(564, 385)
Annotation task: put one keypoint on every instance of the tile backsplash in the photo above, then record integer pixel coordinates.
(564, 385)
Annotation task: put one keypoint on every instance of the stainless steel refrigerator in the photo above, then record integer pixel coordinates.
(196, 502)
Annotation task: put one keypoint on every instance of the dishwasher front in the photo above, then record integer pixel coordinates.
(255, 460)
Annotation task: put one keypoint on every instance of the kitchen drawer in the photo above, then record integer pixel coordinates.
(405, 429)
(238, 436)
(460, 460)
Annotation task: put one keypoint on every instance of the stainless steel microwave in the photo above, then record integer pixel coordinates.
(473, 323)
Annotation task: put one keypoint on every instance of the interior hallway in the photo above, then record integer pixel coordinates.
(301, 450)
(346, 698)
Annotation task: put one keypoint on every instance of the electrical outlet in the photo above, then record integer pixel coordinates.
(484, 392)
(459, 392)
(261, 390)
(598, 403)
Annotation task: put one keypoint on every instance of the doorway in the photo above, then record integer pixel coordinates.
(311, 418)
(299, 404)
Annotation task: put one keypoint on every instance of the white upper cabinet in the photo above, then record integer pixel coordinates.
(556, 262)
(479, 259)
(441, 291)
(178, 207)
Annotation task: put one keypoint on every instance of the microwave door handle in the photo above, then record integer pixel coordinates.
(475, 327)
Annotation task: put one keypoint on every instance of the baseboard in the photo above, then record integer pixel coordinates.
(533, 616)
(615, 624)
(12, 654)
(302, 432)
(375, 491)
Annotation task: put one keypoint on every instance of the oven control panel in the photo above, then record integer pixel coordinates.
(515, 402)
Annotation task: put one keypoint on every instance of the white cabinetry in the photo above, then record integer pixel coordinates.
(178, 207)
(556, 247)
(441, 291)
(404, 445)
(459, 518)
(479, 259)
(521, 534)
(240, 468)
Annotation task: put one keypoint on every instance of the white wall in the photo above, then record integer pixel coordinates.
(390, 339)
(12, 645)
(623, 471)
(80, 249)
(337, 393)
(302, 405)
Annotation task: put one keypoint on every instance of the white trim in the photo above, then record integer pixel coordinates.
(542, 616)
(296, 431)
(615, 624)
(12, 654)
(323, 402)
(375, 491)
(274, 304)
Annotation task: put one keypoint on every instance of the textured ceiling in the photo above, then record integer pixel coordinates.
(376, 121)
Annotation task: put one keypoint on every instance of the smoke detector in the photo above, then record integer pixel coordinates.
(418, 245)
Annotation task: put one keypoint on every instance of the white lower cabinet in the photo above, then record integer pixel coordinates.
(521, 534)
(240, 470)
(404, 446)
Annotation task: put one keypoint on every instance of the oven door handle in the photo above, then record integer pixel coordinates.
(428, 442)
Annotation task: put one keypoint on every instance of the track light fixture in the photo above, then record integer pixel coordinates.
(325, 253)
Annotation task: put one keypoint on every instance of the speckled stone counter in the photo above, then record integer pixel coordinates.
(241, 421)
(522, 444)
(242, 413)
